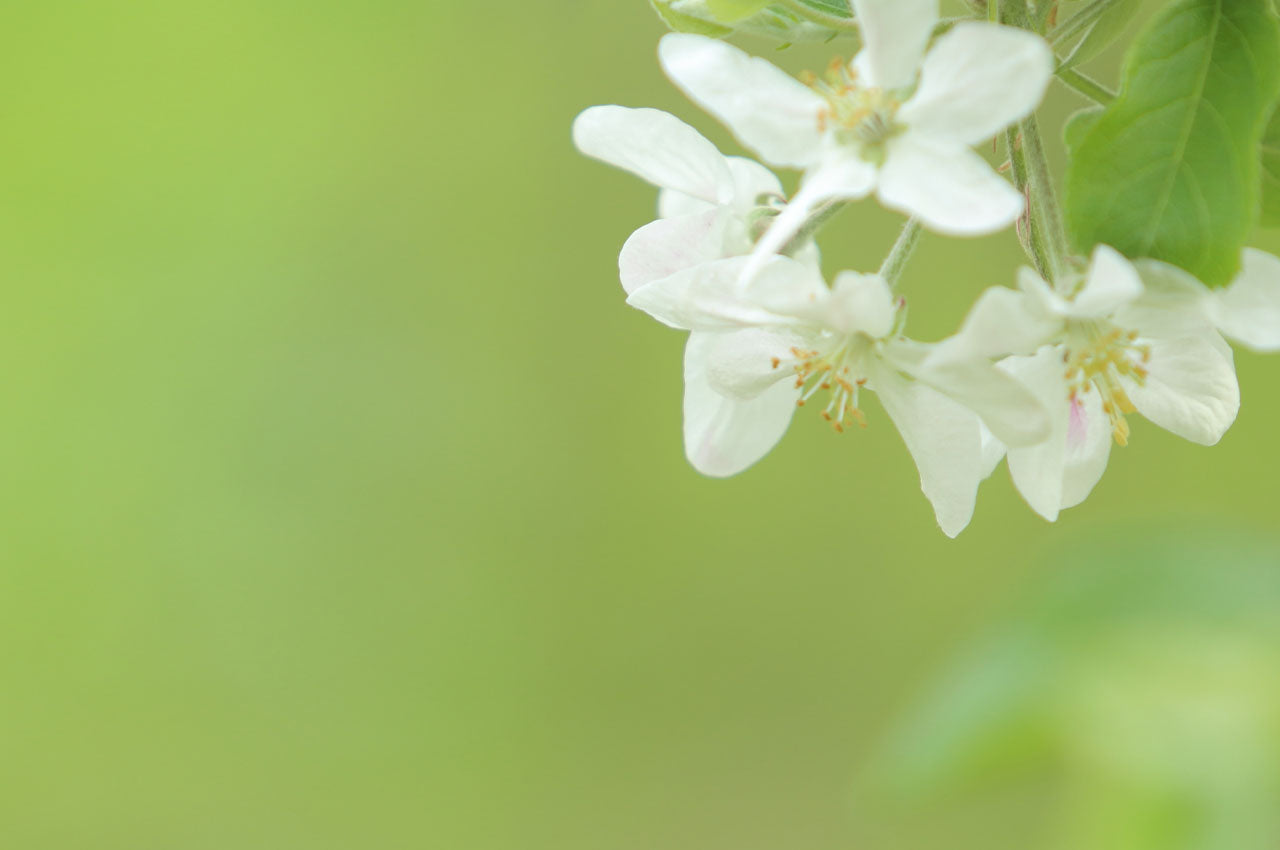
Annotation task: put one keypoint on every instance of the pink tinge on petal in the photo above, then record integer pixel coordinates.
(669, 245)
(1077, 424)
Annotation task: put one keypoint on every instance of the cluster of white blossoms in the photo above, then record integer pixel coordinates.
(1043, 374)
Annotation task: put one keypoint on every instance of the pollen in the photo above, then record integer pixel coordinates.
(833, 373)
(860, 115)
(1099, 357)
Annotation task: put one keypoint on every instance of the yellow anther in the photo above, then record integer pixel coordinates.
(1120, 431)
(1100, 356)
(831, 371)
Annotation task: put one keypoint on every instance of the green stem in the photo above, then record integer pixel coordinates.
(993, 11)
(1033, 240)
(1080, 21)
(1046, 239)
(811, 226)
(1086, 86)
(1044, 212)
(900, 255)
(1044, 8)
(835, 22)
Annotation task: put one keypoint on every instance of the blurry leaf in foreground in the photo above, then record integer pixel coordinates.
(1144, 682)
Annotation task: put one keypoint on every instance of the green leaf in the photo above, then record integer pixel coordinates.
(1079, 125)
(680, 22)
(1110, 26)
(1271, 172)
(728, 11)
(839, 8)
(720, 18)
(1170, 170)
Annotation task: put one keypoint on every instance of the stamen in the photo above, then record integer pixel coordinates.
(861, 115)
(831, 371)
(1099, 357)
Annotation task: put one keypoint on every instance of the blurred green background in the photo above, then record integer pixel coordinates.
(344, 498)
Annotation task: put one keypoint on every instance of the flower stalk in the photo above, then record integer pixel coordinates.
(1046, 237)
(900, 255)
(1043, 210)
(812, 225)
(1080, 22)
(1086, 86)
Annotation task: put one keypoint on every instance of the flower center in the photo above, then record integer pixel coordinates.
(836, 372)
(1098, 355)
(860, 116)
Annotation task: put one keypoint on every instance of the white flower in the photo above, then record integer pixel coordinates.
(1247, 311)
(895, 121)
(784, 339)
(1102, 351)
(709, 205)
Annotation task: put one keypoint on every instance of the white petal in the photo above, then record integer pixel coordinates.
(1249, 309)
(673, 204)
(1002, 321)
(751, 180)
(1168, 319)
(1043, 296)
(861, 303)
(894, 33)
(978, 79)
(1088, 448)
(656, 147)
(1165, 281)
(1011, 411)
(993, 451)
(790, 287)
(840, 176)
(712, 297)
(944, 439)
(1111, 283)
(743, 364)
(949, 188)
(1173, 302)
(669, 245)
(723, 436)
(1038, 471)
(769, 111)
(809, 254)
(1191, 389)
(1173, 305)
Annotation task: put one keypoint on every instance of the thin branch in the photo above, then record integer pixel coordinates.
(1044, 201)
(1080, 22)
(1086, 86)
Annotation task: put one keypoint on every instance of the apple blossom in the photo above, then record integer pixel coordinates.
(761, 348)
(896, 121)
(1093, 353)
(710, 206)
